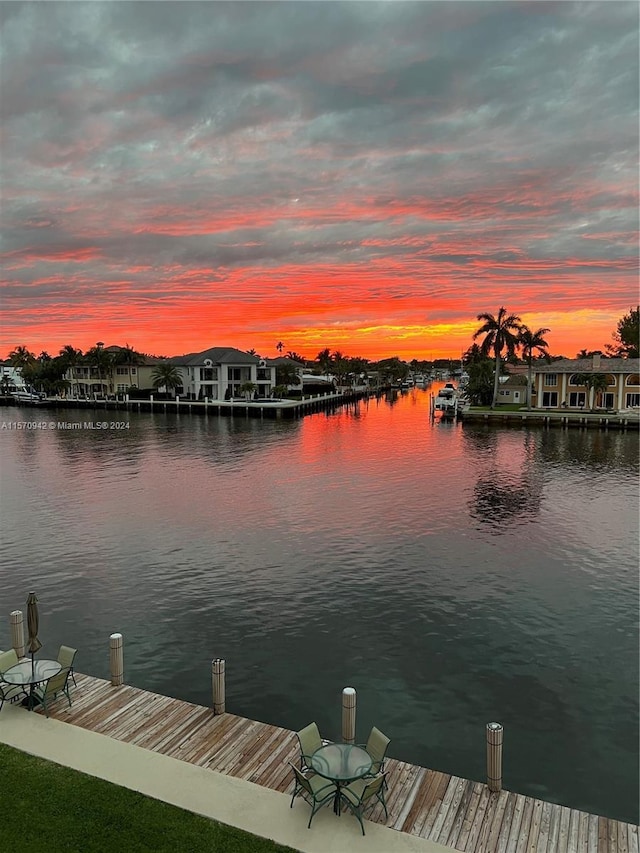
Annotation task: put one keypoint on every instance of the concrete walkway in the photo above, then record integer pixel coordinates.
(232, 801)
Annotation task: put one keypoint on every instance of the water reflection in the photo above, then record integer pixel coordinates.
(509, 487)
(452, 574)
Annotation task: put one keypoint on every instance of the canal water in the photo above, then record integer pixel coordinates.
(453, 575)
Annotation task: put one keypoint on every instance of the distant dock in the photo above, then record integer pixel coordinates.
(553, 418)
(261, 408)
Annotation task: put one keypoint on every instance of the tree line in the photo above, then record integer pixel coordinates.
(502, 335)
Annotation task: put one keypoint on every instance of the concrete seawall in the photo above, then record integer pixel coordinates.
(552, 418)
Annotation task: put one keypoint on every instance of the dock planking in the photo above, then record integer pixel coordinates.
(456, 812)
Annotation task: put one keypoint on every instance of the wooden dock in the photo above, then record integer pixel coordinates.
(446, 809)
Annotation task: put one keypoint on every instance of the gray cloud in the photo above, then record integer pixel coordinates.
(146, 141)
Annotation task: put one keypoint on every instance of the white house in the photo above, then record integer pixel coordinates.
(219, 373)
(10, 377)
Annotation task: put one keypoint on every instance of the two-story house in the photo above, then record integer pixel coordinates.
(10, 378)
(120, 370)
(219, 373)
(559, 385)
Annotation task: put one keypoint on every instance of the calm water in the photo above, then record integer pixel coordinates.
(452, 575)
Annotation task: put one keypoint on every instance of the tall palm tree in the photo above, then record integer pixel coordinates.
(100, 360)
(325, 360)
(500, 333)
(166, 375)
(594, 382)
(295, 356)
(531, 341)
(70, 357)
(280, 347)
(286, 374)
(23, 360)
(128, 357)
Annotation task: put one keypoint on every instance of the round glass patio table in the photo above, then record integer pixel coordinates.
(341, 763)
(31, 673)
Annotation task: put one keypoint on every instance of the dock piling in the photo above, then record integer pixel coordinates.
(17, 632)
(494, 756)
(116, 659)
(349, 715)
(217, 681)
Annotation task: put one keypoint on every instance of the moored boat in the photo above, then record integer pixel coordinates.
(446, 400)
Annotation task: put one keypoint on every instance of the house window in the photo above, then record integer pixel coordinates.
(239, 374)
(121, 389)
(123, 371)
(264, 374)
(633, 400)
(550, 398)
(577, 398)
(550, 379)
(208, 374)
(634, 379)
(573, 379)
(607, 401)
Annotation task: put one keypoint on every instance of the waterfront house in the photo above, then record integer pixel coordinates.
(219, 373)
(558, 385)
(10, 378)
(123, 369)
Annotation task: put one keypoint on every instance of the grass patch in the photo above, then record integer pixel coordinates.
(46, 805)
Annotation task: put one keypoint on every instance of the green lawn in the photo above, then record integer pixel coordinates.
(58, 809)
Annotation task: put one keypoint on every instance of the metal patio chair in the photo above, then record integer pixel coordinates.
(376, 745)
(315, 790)
(8, 659)
(310, 741)
(362, 795)
(65, 658)
(10, 692)
(56, 684)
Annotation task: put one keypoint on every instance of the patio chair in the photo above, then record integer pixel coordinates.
(8, 659)
(362, 795)
(376, 746)
(10, 692)
(315, 790)
(56, 684)
(310, 740)
(65, 658)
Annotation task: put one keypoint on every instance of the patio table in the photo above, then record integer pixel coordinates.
(341, 763)
(31, 673)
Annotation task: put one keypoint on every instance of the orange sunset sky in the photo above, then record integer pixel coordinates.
(361, 176)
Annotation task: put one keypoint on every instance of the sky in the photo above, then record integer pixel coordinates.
(363, 176)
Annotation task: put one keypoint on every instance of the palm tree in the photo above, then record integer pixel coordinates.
(280, 347)
(295, 356)
(70, 357)
(286, 374)
(500, 333)
(530, 341)
(100, 360)
(248, 389)
(594, 382)
(23, 360)
(166, 375)
(128, 357)
(325, 361)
